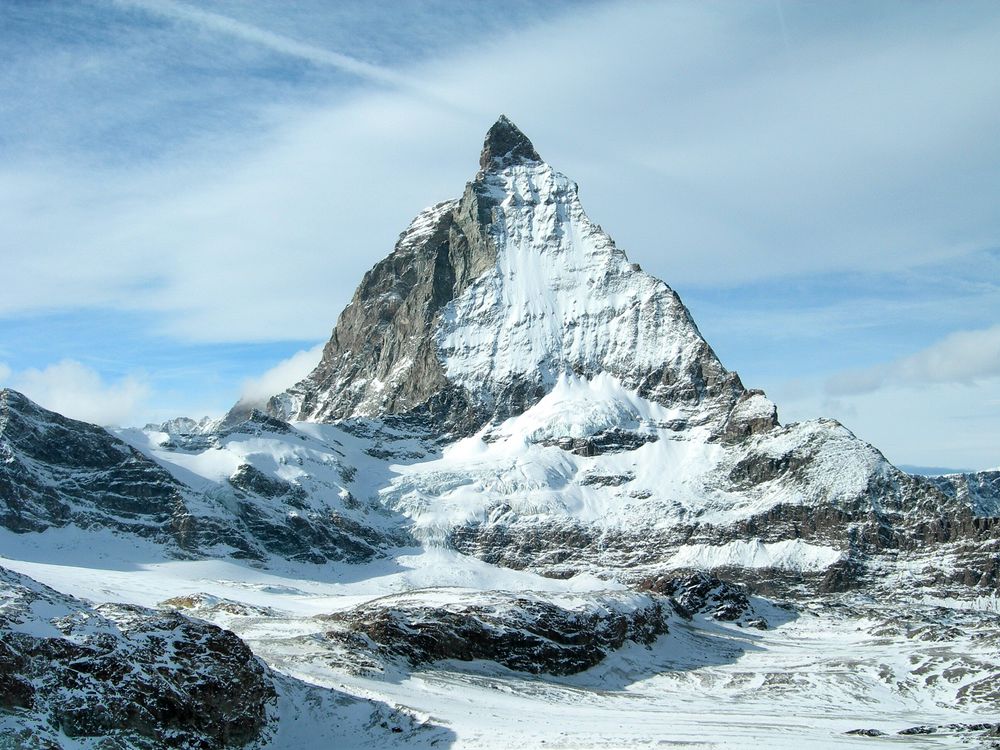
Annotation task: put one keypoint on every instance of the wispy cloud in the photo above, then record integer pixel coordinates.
(286, 373)
(276, 42)
(961, 357)
(75, 390)
(773, 173)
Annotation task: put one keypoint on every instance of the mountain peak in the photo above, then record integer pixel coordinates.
(486, 301)
(505, 144)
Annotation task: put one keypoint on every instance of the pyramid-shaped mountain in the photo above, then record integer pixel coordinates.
(509, 317)
(506, 384)
(487, 300)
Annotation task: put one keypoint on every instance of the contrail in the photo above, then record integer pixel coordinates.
(781, 21)
(277, 42)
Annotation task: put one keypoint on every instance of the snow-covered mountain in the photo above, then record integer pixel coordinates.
(518, 451)
(489, 299)
(253, 491)
(587, 424)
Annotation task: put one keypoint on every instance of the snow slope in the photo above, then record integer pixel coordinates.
(560, 299)
(822, 669)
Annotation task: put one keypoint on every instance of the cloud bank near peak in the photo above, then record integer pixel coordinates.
(283, 375)
(75, 390)
(962, 357)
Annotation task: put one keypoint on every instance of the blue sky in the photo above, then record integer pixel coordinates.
(190, 193)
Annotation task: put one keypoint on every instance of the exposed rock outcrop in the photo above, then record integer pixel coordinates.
(57, 472)
(527, 632)
(138, 678)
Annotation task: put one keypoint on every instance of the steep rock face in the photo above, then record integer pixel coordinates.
(980, 490)
(486, 301)
(137, 678)
(55, 471)
(381, 357)
(260, 488)
(506, 145)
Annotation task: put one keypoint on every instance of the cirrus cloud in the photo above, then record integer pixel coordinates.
(75, 390)
(714, 154)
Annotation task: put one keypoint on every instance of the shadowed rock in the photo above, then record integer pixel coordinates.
(524, 633)
(142, 679)
(505, 145)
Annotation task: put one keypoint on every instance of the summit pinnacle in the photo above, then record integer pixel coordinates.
(506, 145)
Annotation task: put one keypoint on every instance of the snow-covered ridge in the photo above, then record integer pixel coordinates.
(578, 407)
(521, 470)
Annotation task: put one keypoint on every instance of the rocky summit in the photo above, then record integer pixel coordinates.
(519, 481)
(487, 300)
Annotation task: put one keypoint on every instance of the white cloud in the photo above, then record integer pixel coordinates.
(962, 357)
(77, 391)
(5, 373)
(286, 373)
(711, 154)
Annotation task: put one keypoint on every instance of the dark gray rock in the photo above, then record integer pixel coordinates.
(606, 480)
(701, 593)
(524, 633)
(138, 678)
(505, 145)
(254, 481)
(614, 440)
(55, 471)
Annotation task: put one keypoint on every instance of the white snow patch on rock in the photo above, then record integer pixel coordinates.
(580, 408)
(791, 554)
